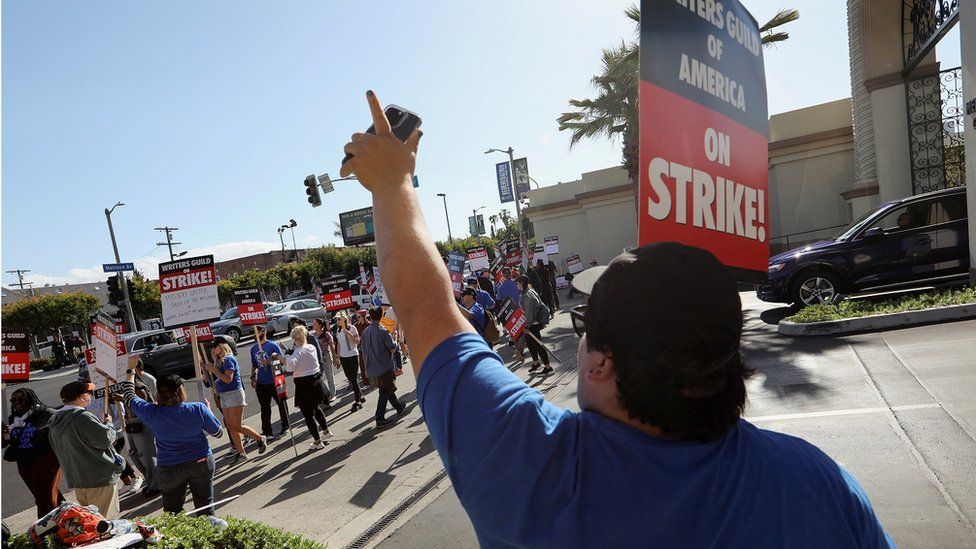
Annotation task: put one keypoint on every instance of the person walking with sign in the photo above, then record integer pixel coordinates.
(347, 340)
(181, 428)
(25, 438)
(320, 329)
(263, 382)
(536, 317)
(302, 361)
(230, 390)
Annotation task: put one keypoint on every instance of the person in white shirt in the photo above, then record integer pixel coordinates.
(309, 391)
(347, 339)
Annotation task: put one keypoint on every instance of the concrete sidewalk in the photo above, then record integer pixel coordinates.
(336, 494)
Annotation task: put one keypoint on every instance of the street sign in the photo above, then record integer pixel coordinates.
(326, 183)
(704, 131)
(117, 267)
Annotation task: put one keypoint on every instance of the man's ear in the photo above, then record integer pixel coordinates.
(601, 367)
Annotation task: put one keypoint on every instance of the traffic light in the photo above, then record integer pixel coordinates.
(131, 286)
(114, 290)
(312, 190)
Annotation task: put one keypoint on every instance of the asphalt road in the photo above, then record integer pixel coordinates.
(48, 385)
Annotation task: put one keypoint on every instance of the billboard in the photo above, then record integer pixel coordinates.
(504, 176)
(704, 133)
(188, 291)
(357, 227)
(521, 168)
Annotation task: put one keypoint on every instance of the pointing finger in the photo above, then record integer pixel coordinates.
(380, 123)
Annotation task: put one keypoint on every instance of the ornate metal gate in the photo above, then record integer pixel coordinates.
(935, 124)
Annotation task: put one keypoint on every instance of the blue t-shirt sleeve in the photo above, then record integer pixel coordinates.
(142, 409)
(863, 520)
(210, 422)
(499, 439)
(229, 363)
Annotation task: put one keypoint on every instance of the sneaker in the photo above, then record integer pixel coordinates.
(333, 399)
(326, 434)
(401, 410)
(384, 423)
(262, 445)
(239, 458)
(232, 453)
(269, 436)
(357, 407)
(317, 445)
(132, 488)
(362, 400)
(535, 367)
(546, 371)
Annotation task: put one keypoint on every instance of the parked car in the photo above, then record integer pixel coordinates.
(230, 323)
(916, 241)
(299, 294)
(281, 317)
(161, 354)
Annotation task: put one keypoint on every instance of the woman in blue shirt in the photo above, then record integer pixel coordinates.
(182, 451)
(230, 389)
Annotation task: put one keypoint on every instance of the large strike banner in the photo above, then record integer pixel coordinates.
(478, 257)
(188, 291)
(704, 132)
(249, 306)
(16, 355)
(336, 295)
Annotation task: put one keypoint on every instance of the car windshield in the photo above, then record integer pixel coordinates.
(231, 313)
(848, 232)
(275, 309)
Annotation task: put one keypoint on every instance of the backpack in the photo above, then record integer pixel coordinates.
(491, 333)
(71, 524)
(544, 313)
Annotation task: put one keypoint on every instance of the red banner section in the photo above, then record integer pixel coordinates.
(336, 295)
(512, 317)
(182, 335)
(15, 355)
(249, 306)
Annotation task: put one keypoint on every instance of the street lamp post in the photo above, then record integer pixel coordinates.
(281, 232)
(518, 200)
(291, 225)
(118, 259)
(449, 237)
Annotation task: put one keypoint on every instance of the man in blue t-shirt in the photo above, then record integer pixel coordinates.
(473, 310)
(659, 456)
(482, 297)
(262, 379)
(507, 288)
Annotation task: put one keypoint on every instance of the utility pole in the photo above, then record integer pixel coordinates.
(122, 279)
(449, 237)
(518, 200)
(169, 239)
(20, 280)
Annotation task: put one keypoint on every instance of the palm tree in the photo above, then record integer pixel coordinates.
(613, 112)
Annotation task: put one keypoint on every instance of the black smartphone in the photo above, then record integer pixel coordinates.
(402, 122)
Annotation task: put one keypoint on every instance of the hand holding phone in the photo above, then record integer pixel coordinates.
(381, 156)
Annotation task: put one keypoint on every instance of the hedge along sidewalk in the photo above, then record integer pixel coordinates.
(858, 316)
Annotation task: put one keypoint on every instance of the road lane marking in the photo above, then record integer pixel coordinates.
(847, 412)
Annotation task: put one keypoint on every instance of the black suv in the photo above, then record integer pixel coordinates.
(162, 355)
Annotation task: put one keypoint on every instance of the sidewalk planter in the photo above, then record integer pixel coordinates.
(879, 322)
(183, 532)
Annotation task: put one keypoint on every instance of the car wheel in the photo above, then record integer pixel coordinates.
(816, 287)
(234, 334)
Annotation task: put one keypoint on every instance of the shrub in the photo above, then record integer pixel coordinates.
(183, 532)
(861, 308)
(41, 364)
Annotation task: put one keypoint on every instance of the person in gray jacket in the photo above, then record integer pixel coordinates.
(84, 446)
(536, 316)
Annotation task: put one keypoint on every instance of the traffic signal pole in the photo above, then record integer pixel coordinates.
(122, 280)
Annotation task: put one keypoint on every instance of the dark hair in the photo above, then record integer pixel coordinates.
(324, 322)
(300, 321)
(692, 387)
(375, 314)
(523, 280)
(170, 391)
(33, 401)
(469, 291)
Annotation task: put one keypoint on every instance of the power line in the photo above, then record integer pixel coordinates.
(20, 279)
(169, 239)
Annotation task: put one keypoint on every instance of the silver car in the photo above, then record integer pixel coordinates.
(230, 324)
(281, 317)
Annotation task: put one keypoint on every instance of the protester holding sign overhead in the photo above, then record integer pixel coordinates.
(659, 452)
(230, 389)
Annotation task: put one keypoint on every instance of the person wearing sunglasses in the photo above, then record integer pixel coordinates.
(26, 443)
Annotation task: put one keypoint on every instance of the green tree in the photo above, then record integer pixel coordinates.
(145, 297)
(49, 312)
(613, 112)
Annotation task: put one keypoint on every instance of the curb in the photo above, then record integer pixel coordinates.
(878, 322)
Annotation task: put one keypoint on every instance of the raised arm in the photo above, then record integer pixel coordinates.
(421, 289)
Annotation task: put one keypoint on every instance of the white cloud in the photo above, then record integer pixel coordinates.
(311, 239)
(149, 265)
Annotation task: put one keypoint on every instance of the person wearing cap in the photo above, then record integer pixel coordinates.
(183, 452)
(85, 448)
(658, 454)
(536, 318)
(482, 297)
(472, 310)
(263, 382)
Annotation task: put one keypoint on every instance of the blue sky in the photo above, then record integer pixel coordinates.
(208, 115)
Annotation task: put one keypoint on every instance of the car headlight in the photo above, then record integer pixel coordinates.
(776, 267)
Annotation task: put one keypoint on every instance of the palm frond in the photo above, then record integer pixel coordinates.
(633, 13)
(781, 18)
(774, 37)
